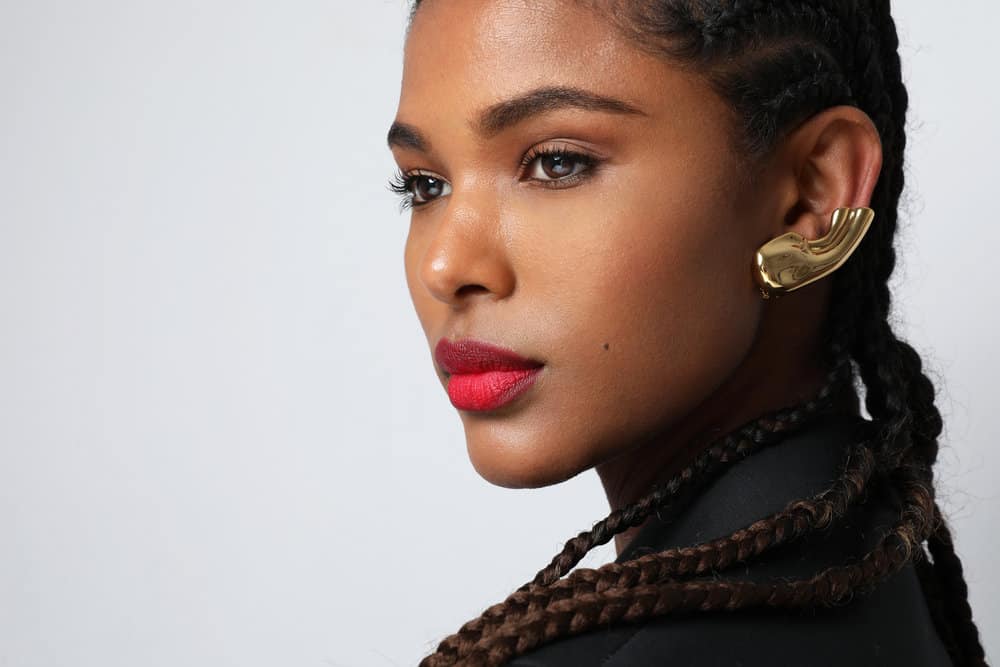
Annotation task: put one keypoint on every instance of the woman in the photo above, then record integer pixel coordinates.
(653, 237)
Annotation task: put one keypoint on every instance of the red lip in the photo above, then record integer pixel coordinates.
(484, 376)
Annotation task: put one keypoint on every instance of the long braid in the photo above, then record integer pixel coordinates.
(584, 611)
(777, 62)
(670, 497)
(709, 463)
(796, 520)
(951, 581)
(657, 584)
(902, 394)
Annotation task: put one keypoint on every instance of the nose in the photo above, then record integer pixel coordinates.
(467, 256)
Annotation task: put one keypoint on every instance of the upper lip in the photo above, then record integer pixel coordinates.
(466, 355)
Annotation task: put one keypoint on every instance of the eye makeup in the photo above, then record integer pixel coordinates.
(554, 166)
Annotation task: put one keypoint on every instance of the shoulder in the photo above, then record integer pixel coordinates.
(887, 627)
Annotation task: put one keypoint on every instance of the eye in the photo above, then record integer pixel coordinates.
(417, 188)
(556, 164)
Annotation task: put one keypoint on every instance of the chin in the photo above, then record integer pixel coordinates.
(517, 460)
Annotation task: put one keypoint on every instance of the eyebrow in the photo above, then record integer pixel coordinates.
(407, 136)
(507, 113)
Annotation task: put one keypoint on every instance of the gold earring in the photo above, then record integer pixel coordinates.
(790, 261)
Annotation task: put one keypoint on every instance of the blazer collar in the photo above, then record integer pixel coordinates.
(799, 466)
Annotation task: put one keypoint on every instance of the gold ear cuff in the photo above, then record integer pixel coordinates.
(790, 261)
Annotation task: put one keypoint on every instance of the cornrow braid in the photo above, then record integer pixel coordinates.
(776, 62)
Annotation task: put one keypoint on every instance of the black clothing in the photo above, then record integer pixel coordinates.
(890, 626)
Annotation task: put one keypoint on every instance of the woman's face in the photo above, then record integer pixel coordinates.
(578, 201)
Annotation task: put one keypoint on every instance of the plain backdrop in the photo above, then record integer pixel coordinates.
(222, 441)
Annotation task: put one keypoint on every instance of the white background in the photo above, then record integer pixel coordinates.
(221, 438)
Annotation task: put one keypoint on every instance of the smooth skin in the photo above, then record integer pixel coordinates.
(628, 272)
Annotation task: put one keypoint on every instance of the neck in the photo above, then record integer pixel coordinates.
(772, 376)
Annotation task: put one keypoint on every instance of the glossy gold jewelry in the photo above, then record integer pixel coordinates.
(790, 261)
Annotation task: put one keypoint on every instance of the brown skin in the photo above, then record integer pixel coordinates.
(632, 281)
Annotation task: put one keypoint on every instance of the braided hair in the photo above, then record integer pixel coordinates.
(776, 62)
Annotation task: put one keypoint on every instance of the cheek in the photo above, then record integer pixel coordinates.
(665, 281)
(685, 289)
(679, 310)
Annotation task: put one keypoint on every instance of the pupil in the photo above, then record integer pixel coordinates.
(557, 165)
(428, 187)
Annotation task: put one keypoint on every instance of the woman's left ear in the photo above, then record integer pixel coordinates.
(826, 171)
(831, 161)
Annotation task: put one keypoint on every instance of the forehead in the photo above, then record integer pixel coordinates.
(531, 28)
(475, 52)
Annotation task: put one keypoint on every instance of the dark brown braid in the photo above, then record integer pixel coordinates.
(796, 520)
(666, 499)
(589, 604)
(777, 62)
(670, 497)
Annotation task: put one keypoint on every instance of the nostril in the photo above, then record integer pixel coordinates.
(470, 289)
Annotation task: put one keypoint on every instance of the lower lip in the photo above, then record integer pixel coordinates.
(489, 390)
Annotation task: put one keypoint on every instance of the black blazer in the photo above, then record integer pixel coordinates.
(890, 626)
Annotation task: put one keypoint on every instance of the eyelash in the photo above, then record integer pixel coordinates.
(402, 183)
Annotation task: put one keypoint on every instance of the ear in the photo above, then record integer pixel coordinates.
(832, 160)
